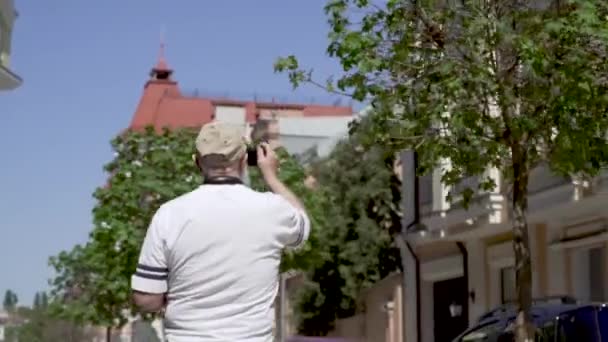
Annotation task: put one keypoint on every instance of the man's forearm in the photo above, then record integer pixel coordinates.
(276, 186)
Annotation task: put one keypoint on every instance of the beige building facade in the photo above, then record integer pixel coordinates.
(9, 80)
(461, 264)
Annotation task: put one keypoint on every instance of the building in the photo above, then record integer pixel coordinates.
(461, 263)
(465, 258)
(4, 318)
(298, 127)
(8, 79)
(300, 134)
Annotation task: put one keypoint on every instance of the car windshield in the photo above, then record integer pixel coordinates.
(490, 332)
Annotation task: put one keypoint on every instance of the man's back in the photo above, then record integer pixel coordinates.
(222, 245)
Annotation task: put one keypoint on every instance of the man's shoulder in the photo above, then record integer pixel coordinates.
(266, 199)
(195, 196)
(178, 201)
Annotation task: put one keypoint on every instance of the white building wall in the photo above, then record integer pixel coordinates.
(532, 239)
(499, 256)
(556, 263)
(230, 114)
(299, 144)
(477, 278)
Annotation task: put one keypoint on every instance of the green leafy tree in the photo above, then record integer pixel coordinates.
(359, 195)
(36, 304)
(10, 300)
(92, 282)
(504, 84)
(41, 301)
(37, 325)
(44, 300)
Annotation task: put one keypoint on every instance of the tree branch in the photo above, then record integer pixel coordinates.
(329, 90)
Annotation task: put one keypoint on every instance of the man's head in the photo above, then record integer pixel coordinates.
(221, 150)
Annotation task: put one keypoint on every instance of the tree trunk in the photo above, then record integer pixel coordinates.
(108, 334)
(524, 330)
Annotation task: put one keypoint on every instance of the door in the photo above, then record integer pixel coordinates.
(450, 304)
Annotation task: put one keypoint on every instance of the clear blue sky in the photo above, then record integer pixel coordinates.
(84, 64)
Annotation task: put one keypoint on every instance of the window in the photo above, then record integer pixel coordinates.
(579, 325)
(588, 270)
(597, 259)
(508, 285)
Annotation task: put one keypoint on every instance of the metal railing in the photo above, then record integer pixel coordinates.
(325, 100)
(542, 178)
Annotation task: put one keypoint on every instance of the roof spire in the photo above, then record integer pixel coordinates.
(161, 70)
(161, 51)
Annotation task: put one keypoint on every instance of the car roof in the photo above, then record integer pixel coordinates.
(540, 312)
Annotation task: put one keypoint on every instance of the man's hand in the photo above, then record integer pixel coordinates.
(268, 163)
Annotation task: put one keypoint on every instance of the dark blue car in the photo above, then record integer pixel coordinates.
(563, 321)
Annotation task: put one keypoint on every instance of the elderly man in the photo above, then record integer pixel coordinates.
(211, 257)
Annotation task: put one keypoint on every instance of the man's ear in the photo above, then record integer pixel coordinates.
(197, 161)
(243, 164)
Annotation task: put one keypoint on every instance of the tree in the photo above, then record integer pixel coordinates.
(41, 301)
(39, 326)
(359, 195)
(10, 300)
(503, 84)
(36, 304)
(44, 300)
(92, 282)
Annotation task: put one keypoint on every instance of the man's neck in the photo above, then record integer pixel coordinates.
(222, 175)
(219, 176)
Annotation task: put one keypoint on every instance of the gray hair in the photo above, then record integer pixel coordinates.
(214, 165)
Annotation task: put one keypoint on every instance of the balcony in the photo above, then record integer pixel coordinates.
(8, 79)
(546, 190)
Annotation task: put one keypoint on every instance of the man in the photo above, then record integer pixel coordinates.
(211, 257)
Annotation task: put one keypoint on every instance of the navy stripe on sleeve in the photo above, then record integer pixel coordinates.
(301, 225)
(152, 268)
(151, 276)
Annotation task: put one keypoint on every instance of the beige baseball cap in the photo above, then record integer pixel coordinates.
(223, 139)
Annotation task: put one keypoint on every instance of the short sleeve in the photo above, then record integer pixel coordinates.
(152, 271)
(294, 224)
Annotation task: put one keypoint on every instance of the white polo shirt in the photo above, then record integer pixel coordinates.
(216, 252)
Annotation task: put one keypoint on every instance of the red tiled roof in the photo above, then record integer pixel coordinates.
(162, 105)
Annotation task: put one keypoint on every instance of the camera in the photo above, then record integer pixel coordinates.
(252, 154)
